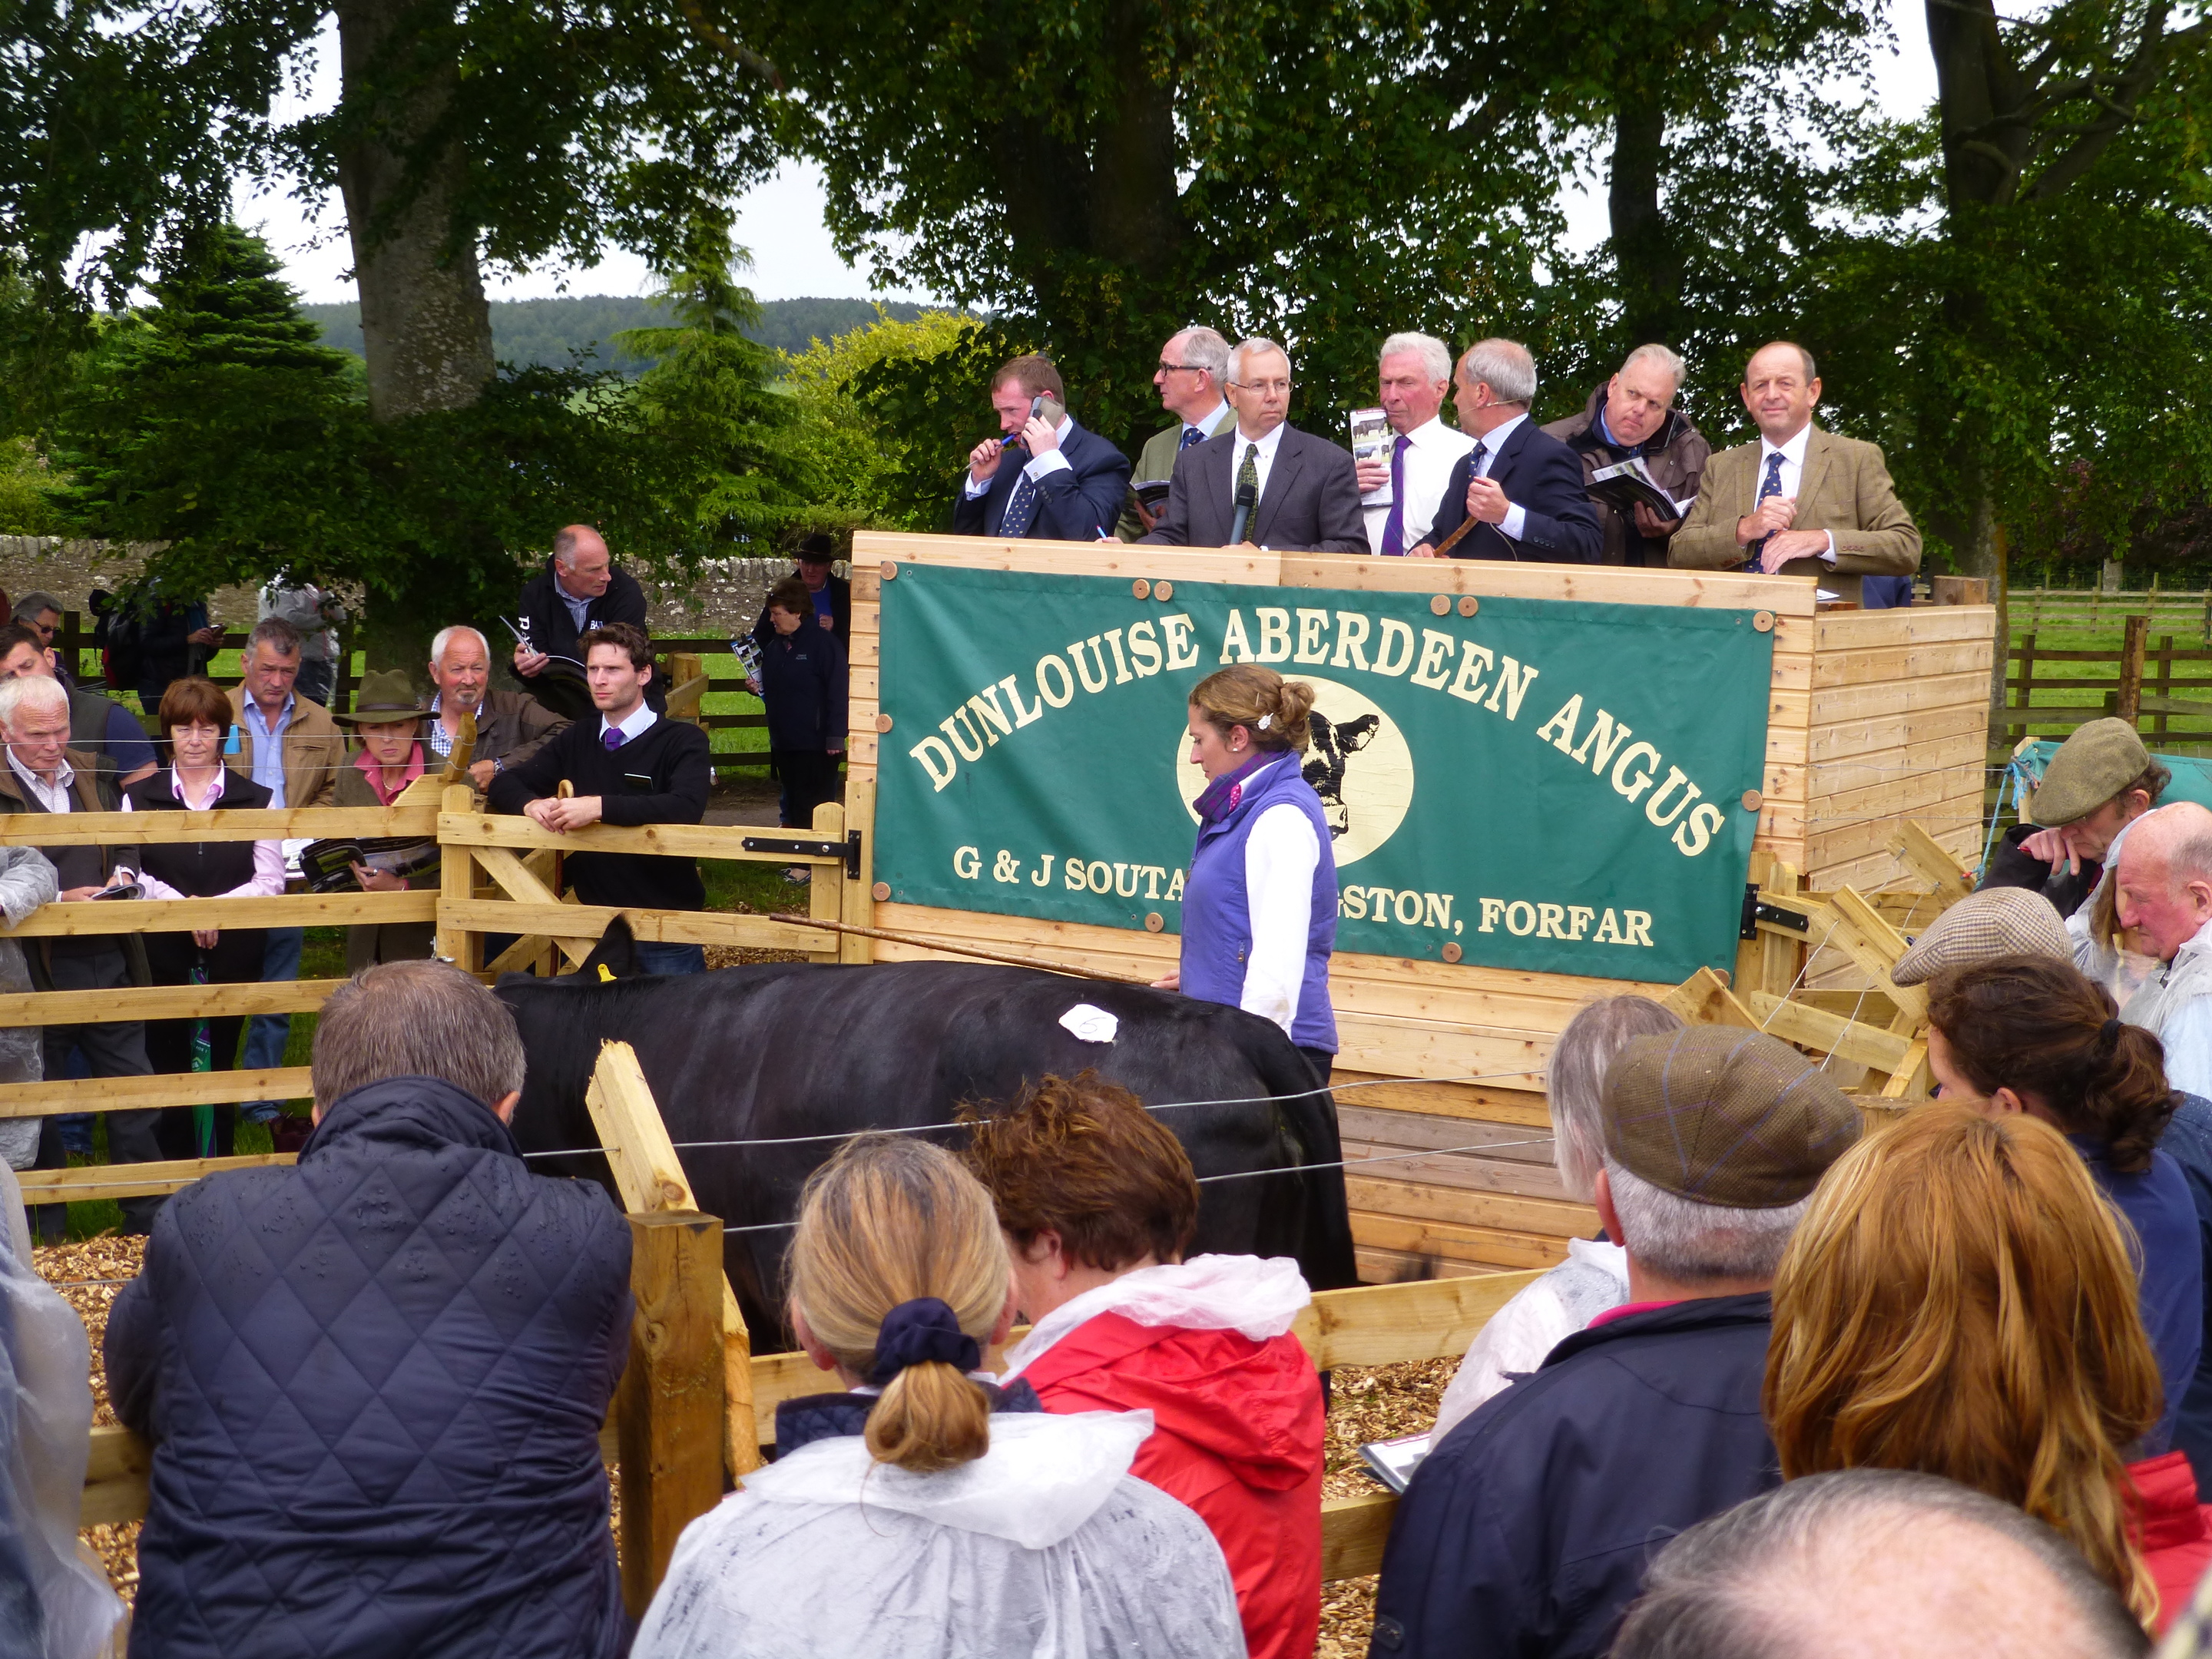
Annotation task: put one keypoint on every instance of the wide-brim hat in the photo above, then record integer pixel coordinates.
(387, 697)
(2099, 759)
(1997, 921)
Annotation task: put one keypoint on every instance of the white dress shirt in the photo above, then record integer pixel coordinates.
(1431, 451)
(1517, 517)
(1280, 854)
(1793, 471)
(1264, 461)
(1205, 424)
(1051, 461)
(2186, 1033)
(55, 796)
(635, 725)
(267, 880)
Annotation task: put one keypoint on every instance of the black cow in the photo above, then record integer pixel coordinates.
(789, 1050)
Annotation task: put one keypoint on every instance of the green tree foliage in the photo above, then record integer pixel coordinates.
(886, 416)
(212, 419)
(24, 479)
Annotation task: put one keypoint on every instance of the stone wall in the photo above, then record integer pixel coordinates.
(726, 597)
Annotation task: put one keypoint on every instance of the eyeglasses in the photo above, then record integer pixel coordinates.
(1167, 368)
(1262, 385)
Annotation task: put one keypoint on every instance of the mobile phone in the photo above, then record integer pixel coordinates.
(1048, 408)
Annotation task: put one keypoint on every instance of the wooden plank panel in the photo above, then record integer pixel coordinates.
(1373, 1265)
(1127, 560)
(147, 828)
(100, 1094)
(1905, 662)
(89, 1183)
(1387, 1325)
(1489, 1246)
(1959, 752)
(1354, 1531)
(1431, 1049)
(1919, 624)
(1384, 1127)
(1835, 704)
(1554, 1217)
(87, 917)
(1883, 732)
(1466, 1101)
(1786, 596)
(1842, 840)
(1464, 1169)
(164, 1002)
(712, 841)
(590, 920)
(1794, 1022)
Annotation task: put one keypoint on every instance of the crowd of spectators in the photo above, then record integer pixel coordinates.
(1232, 470)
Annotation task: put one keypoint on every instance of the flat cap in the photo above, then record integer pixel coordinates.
(1997, 921)
(1721, 1115)
(2091, 766)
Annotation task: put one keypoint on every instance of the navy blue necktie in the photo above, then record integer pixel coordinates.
(1769, 486)
(1021, 507)
(1191, 435)
(1394, 522)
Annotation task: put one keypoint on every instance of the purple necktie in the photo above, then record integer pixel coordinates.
(613, 739)
(1394, 527)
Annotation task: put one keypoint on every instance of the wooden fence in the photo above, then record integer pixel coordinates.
(2072, 607)
(2166, 685)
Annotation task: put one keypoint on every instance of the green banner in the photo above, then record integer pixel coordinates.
(1549, 785)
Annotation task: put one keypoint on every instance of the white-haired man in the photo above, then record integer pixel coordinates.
(1633, 417)
(1267, 484)
(43, 773)
(2163, 895)
(511, 727)
(1799, 502)
(1192, 378)
(579, 589)
(1399, 497)
(1528, 1528)
(1521, 486)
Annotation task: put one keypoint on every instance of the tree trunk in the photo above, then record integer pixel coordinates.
(425, 325)
(1648, 266)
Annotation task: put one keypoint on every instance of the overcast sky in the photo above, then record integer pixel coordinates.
(781, 220)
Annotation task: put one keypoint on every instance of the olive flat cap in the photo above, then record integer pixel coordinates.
(1997, 921)
(1721, 1115)
(2091, 766)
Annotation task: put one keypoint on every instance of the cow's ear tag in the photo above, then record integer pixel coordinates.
(606, 975)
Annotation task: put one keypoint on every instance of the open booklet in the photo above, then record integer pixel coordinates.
(1393, 1461)
(1624, 484)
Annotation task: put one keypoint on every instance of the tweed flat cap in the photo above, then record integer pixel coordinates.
(1997, 921)
(2091, 766)
(1721, 1115)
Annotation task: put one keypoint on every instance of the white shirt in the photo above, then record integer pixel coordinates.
(576, 607)
(1280, 856)
(1051, 461)
(1433, 449)
(1204, 426)
(2186, 1032)
(55, 796)
(1517, 517)
(633, 726)
(1264, 461)
(1793, 470)
(267, 880)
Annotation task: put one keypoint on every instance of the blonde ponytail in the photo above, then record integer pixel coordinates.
(901, 1270)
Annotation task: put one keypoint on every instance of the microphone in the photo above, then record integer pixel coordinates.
(1248, 497)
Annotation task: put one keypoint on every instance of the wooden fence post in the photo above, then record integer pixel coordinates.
(457, 886)
(669, 1407)
(2127, 702)
(825, 887)
(2026, 682)
(2163, 686)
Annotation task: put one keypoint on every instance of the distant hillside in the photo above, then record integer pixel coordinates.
(547, 331)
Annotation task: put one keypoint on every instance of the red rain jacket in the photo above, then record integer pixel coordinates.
(1238, 1438)
(2171, 1527)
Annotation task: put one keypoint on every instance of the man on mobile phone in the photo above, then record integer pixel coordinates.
(43, 773)
(1047, 477)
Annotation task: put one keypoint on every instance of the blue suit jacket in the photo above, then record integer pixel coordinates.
(1544, 479)
(1075, 503)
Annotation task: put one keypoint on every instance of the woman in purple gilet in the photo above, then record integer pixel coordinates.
(1259, 909)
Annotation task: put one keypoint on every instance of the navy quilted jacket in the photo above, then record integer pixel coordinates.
(374, 1384)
